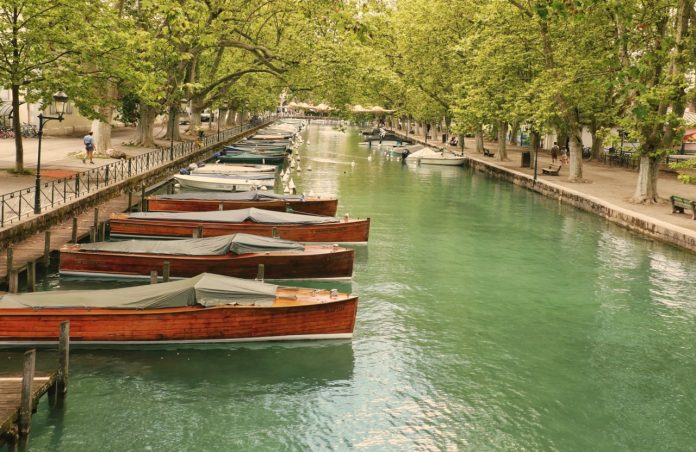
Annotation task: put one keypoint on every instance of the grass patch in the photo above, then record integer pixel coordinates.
(24, 172)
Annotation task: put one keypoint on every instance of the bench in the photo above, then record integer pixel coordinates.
(679, 204)
(551, 170)
(488, 153)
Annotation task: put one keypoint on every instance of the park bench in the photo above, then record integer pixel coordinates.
(679, 204)
(551, 170)
(488, 153)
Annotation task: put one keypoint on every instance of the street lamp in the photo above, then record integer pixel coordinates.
(60, 101)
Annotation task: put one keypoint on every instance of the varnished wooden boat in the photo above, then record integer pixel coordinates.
(195, 202)
(309, 262)
(286, 314)
(346, 230)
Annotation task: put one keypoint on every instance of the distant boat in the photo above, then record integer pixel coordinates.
(250, 157)
(226, 182)
(205, 309)
(428, 156)
(272, 149)
(237, 255)
(230, 168)
(207, 201)
(289, 226)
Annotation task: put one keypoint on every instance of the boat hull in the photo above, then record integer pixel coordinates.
(325, 207)
(189, 325)
(442, 162)
(223, 184)
(260, 159)
(351, 231)
(315, 262)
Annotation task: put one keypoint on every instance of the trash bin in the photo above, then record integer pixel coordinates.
(526, 159)
(444, 138)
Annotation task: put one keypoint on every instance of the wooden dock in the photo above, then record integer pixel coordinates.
(23, 256)
(20, 392)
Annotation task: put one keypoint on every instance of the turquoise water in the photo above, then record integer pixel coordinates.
(490, 318)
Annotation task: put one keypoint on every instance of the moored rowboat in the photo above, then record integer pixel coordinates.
(202, 202)
(288, 226)
(237, 255)
(226, 182)
(205, 309)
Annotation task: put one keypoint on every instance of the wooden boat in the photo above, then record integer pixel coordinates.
(288, 226)
(271, 136)
(228, 168)
(205, 202)
(249, 157)
(204, 309)
(237, 255)
(268, 150)
(226, 182)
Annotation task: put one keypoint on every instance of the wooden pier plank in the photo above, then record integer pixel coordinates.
(32, 248)
(10, 396)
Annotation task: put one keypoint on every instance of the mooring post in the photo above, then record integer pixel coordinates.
(260, 273)
(221, 206)
(92, 234)
(63, 359)
(143, 207)
(153, 277)
(26, 408)
(96, 218)
(10, 258)
(198, 232)
(274, 232)
(31, 276)
(13, 281)
(74, 230)
(165, 271)
(47, 248)
(130, 200)
(102, 231)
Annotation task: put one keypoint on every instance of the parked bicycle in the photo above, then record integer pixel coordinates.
(29, 130)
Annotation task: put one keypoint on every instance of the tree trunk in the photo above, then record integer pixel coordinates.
(478, 136)
(195, 117)
(597, 142)
(502, 141)
(513, 132)
(575, 173)
(146, 126)
(173, 124)
(102, 129)
(231, 120)
(17, 127)
(646, 188)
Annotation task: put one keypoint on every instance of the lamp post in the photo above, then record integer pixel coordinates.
(60, 100)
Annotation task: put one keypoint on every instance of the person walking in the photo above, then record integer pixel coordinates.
(554, 153)
(89, 148)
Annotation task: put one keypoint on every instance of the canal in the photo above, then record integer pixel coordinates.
(490, 318)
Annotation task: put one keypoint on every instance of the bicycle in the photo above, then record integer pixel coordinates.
(29, 130)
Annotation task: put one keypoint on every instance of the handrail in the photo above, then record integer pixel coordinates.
(19, 204)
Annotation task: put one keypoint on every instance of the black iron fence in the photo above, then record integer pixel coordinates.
(20, 203)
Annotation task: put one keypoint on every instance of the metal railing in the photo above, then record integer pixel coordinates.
(19, 204)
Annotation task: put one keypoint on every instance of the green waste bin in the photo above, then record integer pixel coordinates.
(526, 159)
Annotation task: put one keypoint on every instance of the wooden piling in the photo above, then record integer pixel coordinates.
(221, 206)
(10, 258)
(198, 232)
(13, 281)
(130, 201)
(143, 207)
(47, 248)
(96, 218)
(274, 232)
(25, 407)
(92, 234)
(153, 277)
(102, 231)
(31, 276)
(63, 359)
(74, 230)
(166, 267)
(260, 272)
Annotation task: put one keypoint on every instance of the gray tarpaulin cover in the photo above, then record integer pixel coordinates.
(205, 289)
(237, 216)
(213, 246)
(241, 196)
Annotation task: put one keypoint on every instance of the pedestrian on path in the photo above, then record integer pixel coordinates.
(89, 147)
(554, 152)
